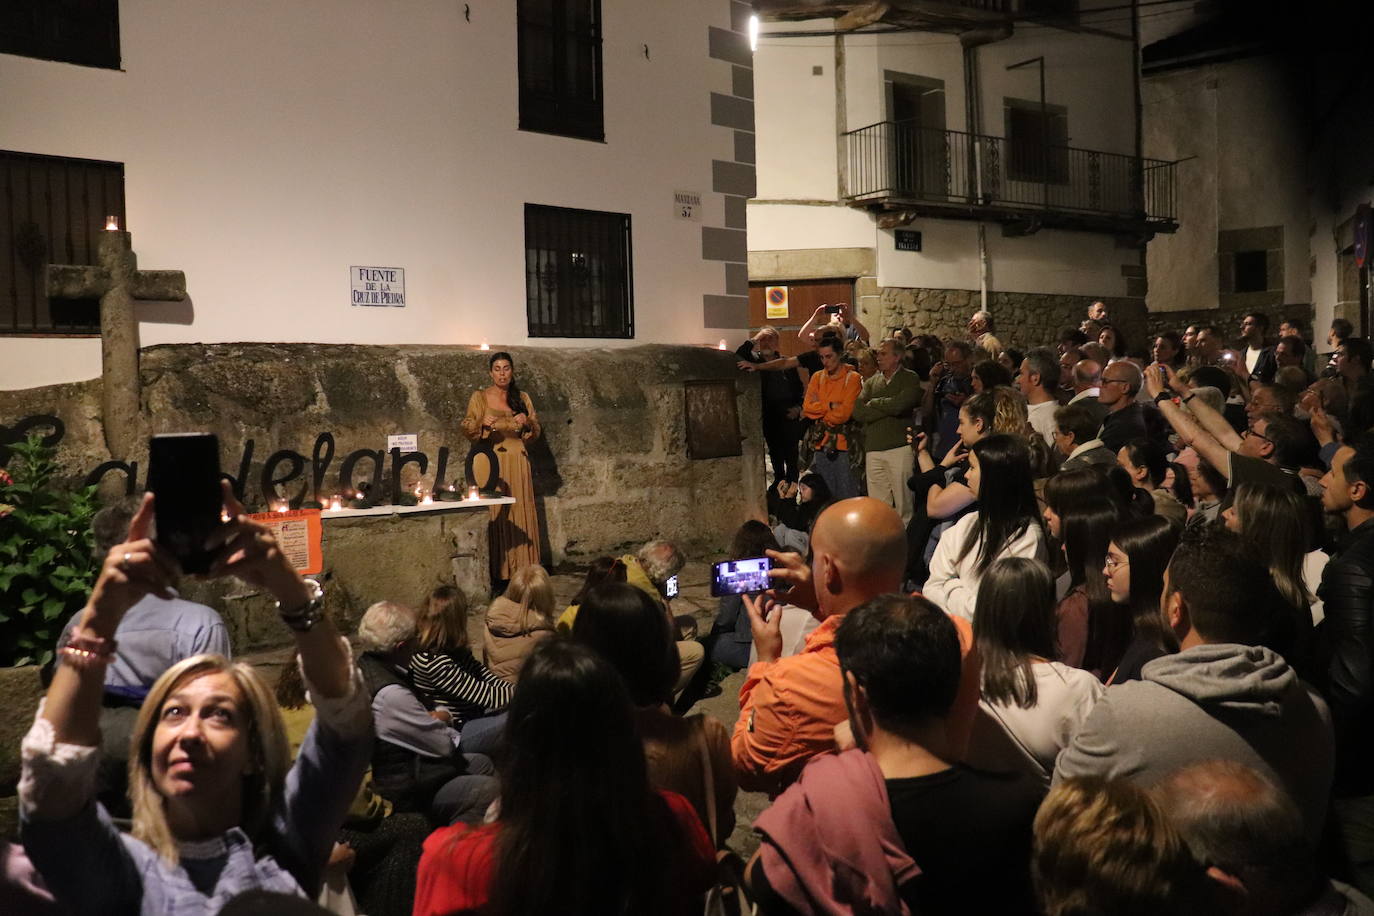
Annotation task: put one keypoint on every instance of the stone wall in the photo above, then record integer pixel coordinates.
(1023, 320)
(611, 470)
(1227, 320)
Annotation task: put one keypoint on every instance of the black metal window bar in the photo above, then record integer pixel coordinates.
(578, 273)
(52, 211)
(72, 31)
(901, 161)
(560, 67)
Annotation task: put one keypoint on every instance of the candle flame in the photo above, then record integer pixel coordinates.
(111, 224)
(485, 346)
(722, 345)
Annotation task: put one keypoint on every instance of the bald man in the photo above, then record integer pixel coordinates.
(789, 707)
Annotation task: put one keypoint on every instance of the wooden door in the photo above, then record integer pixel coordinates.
(803, 296)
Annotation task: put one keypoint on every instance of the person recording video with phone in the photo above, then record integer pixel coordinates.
(216, 810)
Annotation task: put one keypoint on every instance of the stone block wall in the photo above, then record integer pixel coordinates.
(610, 471)
(1023, 320)
(1227, 320)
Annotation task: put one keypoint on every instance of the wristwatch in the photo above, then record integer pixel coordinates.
(304, 618)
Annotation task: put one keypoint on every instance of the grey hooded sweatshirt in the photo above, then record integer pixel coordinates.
(1220, 701)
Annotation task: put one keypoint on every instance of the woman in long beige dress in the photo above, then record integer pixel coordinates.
(503, 417)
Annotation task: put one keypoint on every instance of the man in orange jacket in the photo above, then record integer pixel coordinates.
(830, 397)
(789, 707)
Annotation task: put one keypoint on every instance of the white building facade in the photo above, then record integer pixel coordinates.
(267, 149)
(1007, 142)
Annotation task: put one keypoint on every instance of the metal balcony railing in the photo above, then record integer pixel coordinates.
(894, 162)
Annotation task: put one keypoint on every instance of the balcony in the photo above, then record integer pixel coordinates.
(896, 166)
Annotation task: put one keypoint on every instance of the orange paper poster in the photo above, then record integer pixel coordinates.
(298, 533)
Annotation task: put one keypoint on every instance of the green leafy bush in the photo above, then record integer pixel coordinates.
(47, 567)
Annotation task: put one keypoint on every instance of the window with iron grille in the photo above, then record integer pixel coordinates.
(578, 276)
(72, 31)
(560, 67)
(52, 211)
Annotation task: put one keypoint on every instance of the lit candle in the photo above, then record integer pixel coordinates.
(335, 504)
(721, 345)
(283, 508)
(485, 346)
(428, 499)
(473, 494)
(112, 224)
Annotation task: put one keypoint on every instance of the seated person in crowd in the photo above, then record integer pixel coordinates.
(1007, 524)
(1269, 453)
(1104, 846)
(381, 846)
(1125, 419)
(516, 620)
(580, 830)
(896, 820)
(1075, 435)
(1147, 464)
(219, 809)
(154, 634)
(599, 571)
(416, 761)
(1250, 839)
(447, 677)
(649, 570)
(1031, 706)
(627, 628)
(796, 511)
(789, 707)
(1222, 696)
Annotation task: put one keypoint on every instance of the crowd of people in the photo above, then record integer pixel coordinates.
(1079, 630)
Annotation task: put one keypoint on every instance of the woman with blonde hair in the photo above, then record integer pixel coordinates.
(218, 808)
(517, 620)
(449, 679)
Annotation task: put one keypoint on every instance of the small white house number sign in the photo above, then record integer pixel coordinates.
(687, 205)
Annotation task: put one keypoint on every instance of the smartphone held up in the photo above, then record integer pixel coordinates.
(735, 577)
(183, 475)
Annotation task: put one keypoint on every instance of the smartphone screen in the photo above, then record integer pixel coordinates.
(183, 474)
(670, 587)
(735, 577)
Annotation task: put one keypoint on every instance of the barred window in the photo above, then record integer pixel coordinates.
(560, 67)
(72, 31)
(52, 211)
(578, 276)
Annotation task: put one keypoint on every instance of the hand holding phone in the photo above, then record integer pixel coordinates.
(183, 475)
(736, 577)
(833, 309)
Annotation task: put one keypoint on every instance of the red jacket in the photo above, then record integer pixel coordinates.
(459, 862)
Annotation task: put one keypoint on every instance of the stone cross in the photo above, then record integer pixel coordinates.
(118, 282)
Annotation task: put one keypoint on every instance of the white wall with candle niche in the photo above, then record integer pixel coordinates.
(332, 133)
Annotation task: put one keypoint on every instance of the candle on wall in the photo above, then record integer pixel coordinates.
(335, 504)
(722, 345)
(111, 223)
(473, 494)
(485, 346)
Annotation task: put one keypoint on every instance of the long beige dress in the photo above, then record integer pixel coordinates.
(515, 528)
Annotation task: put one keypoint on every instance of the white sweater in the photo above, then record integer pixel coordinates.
(1011, 738)
(953, 584)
